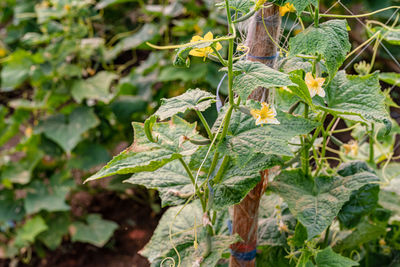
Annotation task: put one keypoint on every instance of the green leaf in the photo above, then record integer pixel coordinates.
(273, 256)
(251, 75)
(147, 33)
(20, 172)
(10, 208)
(364, 233)
(67, 131)
(17, 69)
(300, 5)
(194, 73)
(106, 3)
(392, 78)
(88, 155)
(330, 40)
(328, 258)
(29, 231)
(300, 235)
(49, 197)
(95, 231)
(240, 178)
(356, 98)
(362, 202)
(171, 180)
(159, 248)
(315, 203)
(144, 155)
(194, 99)
(246, 138)
(237, 5)
(96, 87)
(392, 36)
(57, 229)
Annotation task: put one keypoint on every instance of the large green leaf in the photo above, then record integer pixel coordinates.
(17, 69)
(171, 180)
(300, 5)
(356, 98)
(240, 178)
(95, 231)
(144, 155)
(251, 75)
(316, 202)
(183, 237)
(328, 258)
(58, 225)
(48, 197)
(28, 232)
(330, 40)
(246, 138)
(96, 87)
(67, 131)
(195, 99)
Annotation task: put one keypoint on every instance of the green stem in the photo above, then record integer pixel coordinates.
(221, 170)
(205, 124)
(198, 193)
(221, 59)
(325, 134)
(245, 17)
(316, 16)
(230, 54)
(226, 124)
(371, 145)
(376, 46)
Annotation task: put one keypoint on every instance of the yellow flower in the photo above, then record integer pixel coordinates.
(259, 3)
(288, 7)
(266, 114)
(351, 147)
(203, 52)
(3, 52)
(315, 85)
(67, 7)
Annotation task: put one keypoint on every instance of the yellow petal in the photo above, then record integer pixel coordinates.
(218, 46)
(196, 38)
(208, 36)
(196, 53)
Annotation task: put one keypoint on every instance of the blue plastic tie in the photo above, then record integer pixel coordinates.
(229, 224)
(244, 256)
(264, 58)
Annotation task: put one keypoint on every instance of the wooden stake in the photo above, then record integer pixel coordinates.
(245, 214)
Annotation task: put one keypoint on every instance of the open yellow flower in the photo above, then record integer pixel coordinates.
(203, 52)
(315, 85)
(351, 148)
(266, 114)
(288, 7)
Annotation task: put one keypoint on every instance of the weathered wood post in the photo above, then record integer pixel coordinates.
(245, 214)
